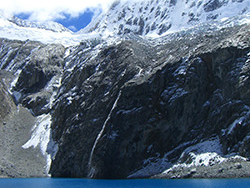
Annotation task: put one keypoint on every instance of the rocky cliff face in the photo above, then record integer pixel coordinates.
(130, 106)
(138, 100)
(29, 75)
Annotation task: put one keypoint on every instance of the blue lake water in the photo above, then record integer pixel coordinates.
(85, 183)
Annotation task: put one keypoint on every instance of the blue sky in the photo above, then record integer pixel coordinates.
(76, 23)
(72, 23)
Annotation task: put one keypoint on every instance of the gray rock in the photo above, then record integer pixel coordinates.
(129, 98)
(193, 171)
(238, 165)
(214, 4)
(14, 132)
(221, 170)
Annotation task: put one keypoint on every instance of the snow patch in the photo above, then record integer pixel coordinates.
(207, 153)
(52, 87)
(204, 153)
(41, 136)
(204, 159)
(69, 99)
(13, 83)
(17, 95)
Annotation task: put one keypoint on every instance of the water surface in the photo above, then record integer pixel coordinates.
(85, 183)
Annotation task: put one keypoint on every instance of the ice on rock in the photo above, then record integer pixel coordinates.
(41, 137)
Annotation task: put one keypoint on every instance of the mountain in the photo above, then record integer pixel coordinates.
(160, 97)
(47, 33)
(156, 17)
(52, 26)
(104, 104)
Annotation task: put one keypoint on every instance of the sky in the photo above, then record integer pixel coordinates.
(74, 14)
(72, 23)
(77, 23)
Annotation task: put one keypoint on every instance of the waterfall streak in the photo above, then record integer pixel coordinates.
(91, 169)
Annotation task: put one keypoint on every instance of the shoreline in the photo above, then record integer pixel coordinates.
(224, 170)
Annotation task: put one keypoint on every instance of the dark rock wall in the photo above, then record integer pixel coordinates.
(34, 64)
(121, 104)
(141, 99)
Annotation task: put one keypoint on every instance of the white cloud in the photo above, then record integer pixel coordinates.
(72, 28)
(44, 10)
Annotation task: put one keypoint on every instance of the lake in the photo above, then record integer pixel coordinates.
(86, 183)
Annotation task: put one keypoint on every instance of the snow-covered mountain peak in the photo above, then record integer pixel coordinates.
(152, 17)
(50, 32)
(49, 25)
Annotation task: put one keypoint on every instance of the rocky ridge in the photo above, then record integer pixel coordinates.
(158, 17)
